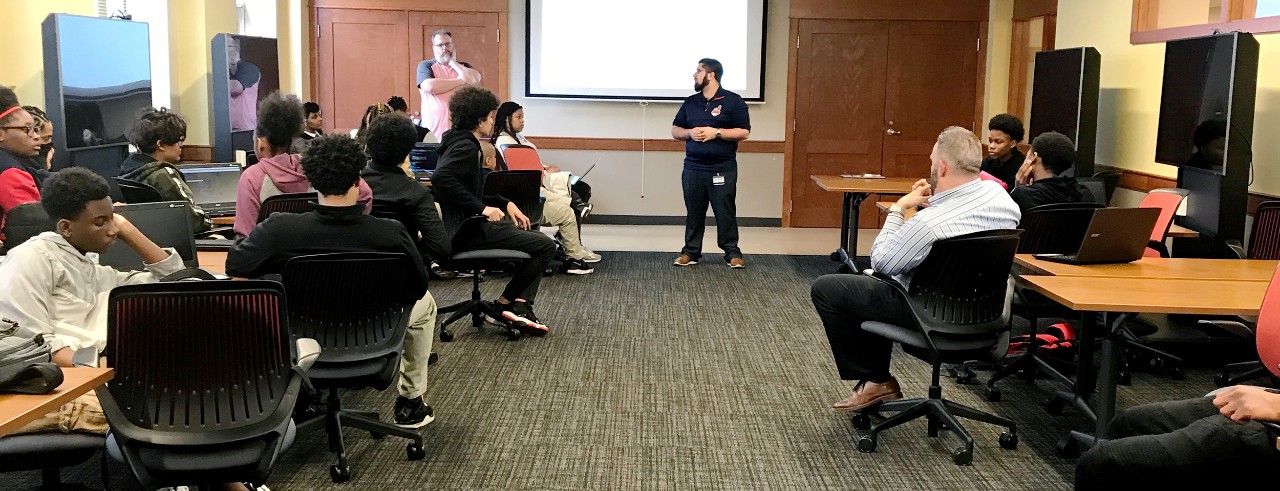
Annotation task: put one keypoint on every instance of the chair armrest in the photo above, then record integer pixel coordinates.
(1237, 248)
(1234, 327)
(884, 278)
(308, 352)
(85, 357)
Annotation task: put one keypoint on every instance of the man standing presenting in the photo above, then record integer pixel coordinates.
(437, 80)
(711, 123)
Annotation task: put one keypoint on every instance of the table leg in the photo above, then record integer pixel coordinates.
(1106, 384)
(849, 231)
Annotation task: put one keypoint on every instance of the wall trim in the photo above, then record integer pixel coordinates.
(1144, 182)
(636, 144)
(676, 220)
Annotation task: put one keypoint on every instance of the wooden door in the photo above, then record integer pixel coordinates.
(475, 39)
(932, 85)
(362, 59)
(839, 110)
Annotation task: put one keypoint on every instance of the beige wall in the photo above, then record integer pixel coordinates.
(999, 44)
(23, 65)
(192, 25)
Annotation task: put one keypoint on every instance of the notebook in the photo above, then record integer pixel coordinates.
(1115, 235)
(213, 186)
(165, 223)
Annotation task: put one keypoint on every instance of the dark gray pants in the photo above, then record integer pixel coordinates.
(503, 235)
(700, 189)
(844, 301)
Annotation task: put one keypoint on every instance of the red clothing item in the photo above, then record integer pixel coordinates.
(16, 187)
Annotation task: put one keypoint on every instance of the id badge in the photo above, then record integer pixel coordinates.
(718, 180)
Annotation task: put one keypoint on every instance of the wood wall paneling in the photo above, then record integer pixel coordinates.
(436, 5)
(197, 153)
(649, 145)
(793, 33)
(960, 10)
(1026, 9)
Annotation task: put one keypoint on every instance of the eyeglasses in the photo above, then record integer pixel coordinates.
(31, 130)
(445, 45)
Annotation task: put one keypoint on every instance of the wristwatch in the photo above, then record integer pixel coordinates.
(894, 208)
(717, 133)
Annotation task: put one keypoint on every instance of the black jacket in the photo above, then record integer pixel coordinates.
(326, 229)
(458, 183)
(393, 185)
(169, 182)
(1052, 190)
(1006, 171)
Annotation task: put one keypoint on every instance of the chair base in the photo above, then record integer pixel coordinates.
(336, 418)
(1031, 365)
(1136, 349)
(477, 309)
(1252, 370)
(941, 413)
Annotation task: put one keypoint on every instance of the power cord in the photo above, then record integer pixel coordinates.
(122, 15)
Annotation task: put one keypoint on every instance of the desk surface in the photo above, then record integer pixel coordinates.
(231, 220)
(18, 410)
(1159, 268)
(1146, 295)
(888, 185)
(213, 261)
(1180, 231)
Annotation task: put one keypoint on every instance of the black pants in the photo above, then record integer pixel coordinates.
(844, 301)
(699, 189)
(503, 235)
(1178, 445)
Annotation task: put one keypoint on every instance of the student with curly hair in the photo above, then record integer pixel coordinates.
(158, 135)
(387, 142)
(277, 171)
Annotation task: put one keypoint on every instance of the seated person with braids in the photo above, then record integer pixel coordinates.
(158, 135)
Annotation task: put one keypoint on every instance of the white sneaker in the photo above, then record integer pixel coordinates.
(589, 257)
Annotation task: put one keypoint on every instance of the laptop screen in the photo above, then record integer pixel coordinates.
(423, 157)
(213, 186)
(165, 223)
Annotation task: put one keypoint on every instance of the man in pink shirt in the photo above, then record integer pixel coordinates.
(438, 79)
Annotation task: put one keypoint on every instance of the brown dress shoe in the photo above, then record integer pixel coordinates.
(685, 260)
(737, 263)
(867, 394)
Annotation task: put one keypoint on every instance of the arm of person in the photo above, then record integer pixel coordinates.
(151, 254)
(431, 227)
(739, 125)
(734, 134)
(440, 85)
(682, 134)
(247, 203)
(447, 183)
(465, 72)
(248, 257)
(172, 188)
(680, 125)
(903, 244)
(1242, 403)
(31, 272)
(418, 282)
(16, 187)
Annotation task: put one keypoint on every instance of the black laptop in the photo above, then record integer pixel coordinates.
(165, 223)
(422, 160)
(213, 186)
(1115, 235)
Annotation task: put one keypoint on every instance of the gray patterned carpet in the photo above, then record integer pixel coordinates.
(656, 377)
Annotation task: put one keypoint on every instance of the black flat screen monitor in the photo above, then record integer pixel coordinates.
(245, 71)
(1204, 199)
(1195, 102)
(104, 72)
(165, 223)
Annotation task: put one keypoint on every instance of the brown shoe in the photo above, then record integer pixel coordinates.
(737, 263)
(685, 260)
(867, 394)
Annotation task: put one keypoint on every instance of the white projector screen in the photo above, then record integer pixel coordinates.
(641, 50)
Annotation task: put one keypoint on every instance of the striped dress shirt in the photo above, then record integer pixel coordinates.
(975, 206)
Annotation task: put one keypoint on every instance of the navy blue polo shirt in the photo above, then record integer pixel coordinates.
(724, 110)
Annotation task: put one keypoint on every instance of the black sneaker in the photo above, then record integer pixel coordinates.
(412, 413)
(577, 266)
(521, 316)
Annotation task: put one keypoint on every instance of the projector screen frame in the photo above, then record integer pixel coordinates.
(528, 78)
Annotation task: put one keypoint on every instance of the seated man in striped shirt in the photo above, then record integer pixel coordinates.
(952, 202)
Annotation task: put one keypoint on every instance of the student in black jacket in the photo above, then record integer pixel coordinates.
(1040, 180)
(1003, 159)
(459, 185)
(388, 140)
(338, 224)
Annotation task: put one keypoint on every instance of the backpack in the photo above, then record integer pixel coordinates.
(26, 363)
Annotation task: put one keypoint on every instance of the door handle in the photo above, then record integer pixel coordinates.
(892, 132)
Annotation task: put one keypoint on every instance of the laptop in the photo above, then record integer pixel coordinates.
(165, 223)
(422, 160)
(1115, 235)
(574, 179)
(213, 186)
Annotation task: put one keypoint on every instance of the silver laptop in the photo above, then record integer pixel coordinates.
(213, 186)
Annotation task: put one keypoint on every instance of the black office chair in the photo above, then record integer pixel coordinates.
(1097, 189)
(1056, 228)
(23, 222)
(361, 330)
(960, 298)
(48, 453)
(286, 203)
(476, 262)
(1110, 180)
(206, 376)
(522, 187)
(137, 191)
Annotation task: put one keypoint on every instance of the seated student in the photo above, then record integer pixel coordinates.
(388, 140)
(1003, 159)
(277, 170)
(18, 146)
(339, 224)
(311, 127)
(459, 187)
(558, 210)
(52, 287)
(39, 165)
(1188, 444)
(1041, 180)
(400, 107)
(958, 203)
(158, 135)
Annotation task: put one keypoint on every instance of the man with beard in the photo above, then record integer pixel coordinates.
(711, 122)
(438, 79)
(953, 202)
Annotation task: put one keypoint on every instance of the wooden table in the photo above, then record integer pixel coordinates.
(224, 221)
(212, 261)
(18, 410)
(855, 191)
(1158, 267)
(1176, 230)
(883, 206)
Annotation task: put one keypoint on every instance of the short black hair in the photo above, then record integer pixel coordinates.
(398, 103)
(470, 105)
(713, 65)
(332, 164)
(279, 120)
(388, 140)
(1056, 151)
(310, 108)
(8, 100)
(66, 193)
(154, 125)
(1009, 124)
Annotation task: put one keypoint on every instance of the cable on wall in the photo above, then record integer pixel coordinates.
(644, 106)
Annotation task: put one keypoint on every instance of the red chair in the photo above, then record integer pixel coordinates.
(1167, 200)
(521, 157)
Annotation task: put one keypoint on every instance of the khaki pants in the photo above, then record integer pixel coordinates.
(83, 414)
(417, 348)
(557, 212)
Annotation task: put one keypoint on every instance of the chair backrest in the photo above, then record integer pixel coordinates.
(286, 203)
(1264, 239)
(1267, 334)
(357, 319)
(523, 187)
(521, 157)
(1097, 189)
(23, 222)
(137, 192)
(1056, 228)
(392, 210)
(1168, 203)
(962, 288)
(1110, 180)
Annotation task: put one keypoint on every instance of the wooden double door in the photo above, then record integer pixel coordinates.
(871, 97)
(365, 56)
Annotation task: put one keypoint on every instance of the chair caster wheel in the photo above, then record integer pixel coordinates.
(1068, 448)
(962, 456)
(446, 336)
(866, 444)
(861, 422)
(934, 427)
(1055, 406)
(1177, 373)
(376, 436)
(415, 451)
(1009, 440)
(340, 472)
(513, 335)
(431, 360)
(1222, 379)
(835, 258)
(993, 394)
(1125, 378)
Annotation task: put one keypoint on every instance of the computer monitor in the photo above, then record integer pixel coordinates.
(213, 186)
(165, 223)
(423, 157)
